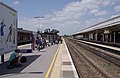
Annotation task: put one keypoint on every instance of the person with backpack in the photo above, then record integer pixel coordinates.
(39, 43)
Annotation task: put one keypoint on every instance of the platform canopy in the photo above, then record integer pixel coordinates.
(107, 23)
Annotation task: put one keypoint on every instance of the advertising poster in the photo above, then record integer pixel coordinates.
(8, 29)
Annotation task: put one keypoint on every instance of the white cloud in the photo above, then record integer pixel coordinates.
(97, 12)
(117, 8)
(93, 21)
(16, 1)
(104, 12)
(68, 20)
(94, 11)
(107, 2)
(27, 23)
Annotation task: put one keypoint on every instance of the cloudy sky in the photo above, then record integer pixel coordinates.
(67, 16)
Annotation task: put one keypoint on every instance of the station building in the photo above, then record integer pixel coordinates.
(24, 36)
(107, 32)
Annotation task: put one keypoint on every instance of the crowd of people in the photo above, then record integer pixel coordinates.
(16, 58)
(42, 42)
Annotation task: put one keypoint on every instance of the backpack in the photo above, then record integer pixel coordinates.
(23, 59)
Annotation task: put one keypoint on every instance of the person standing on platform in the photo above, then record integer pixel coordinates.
(33, 41)
(38, 43)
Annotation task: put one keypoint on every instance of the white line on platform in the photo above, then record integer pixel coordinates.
(74, 70)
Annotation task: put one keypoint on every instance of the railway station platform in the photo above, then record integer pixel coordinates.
(51, 62)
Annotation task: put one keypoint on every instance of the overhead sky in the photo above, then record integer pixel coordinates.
(67, 16)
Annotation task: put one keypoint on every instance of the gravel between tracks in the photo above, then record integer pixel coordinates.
(110, 68)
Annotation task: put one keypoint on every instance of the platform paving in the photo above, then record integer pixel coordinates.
(36, 66)
(64, 67)
(56, 72)
(51, 62)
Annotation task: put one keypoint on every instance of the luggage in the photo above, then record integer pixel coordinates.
(26, 50)
(29, 51)
(23, 59)
(10, 66)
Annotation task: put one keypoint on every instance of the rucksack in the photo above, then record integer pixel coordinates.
(23, 59)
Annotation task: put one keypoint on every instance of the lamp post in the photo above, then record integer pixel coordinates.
(33, 39)
(38, 17)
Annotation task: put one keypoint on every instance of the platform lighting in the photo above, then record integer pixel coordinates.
(38, 17)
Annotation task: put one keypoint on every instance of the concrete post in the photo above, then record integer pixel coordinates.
(103, 38)
(110, 37)
(114, 37)
(2, 58)
(96, 36)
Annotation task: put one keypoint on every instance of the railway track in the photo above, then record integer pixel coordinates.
(113, 58)
(86, 68)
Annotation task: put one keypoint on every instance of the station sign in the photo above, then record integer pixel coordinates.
(106, 31)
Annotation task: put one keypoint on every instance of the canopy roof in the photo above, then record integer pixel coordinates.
(107, 23)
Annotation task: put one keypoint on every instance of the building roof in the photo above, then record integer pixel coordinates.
(22, 30)
(107, 23)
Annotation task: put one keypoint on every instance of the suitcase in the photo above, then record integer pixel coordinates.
(29, 51)
(26, 50)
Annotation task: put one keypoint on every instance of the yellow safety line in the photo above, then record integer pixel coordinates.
(48, 72)
(56, 68)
